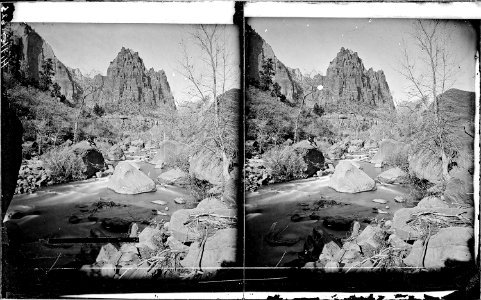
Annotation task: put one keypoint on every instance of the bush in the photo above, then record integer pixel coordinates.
(399, 158)
(418, 190)
(64, 165)
(181, 161)
(285, 163)
(199, 189)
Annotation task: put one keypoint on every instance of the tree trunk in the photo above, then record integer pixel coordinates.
(75, 132)
(225, 166)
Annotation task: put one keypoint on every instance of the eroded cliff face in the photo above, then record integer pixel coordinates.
(257, 50)
(128, 82)
(35, 50)
(347, 80)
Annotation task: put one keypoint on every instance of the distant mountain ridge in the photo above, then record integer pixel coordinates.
(346, 78)
(127, 80)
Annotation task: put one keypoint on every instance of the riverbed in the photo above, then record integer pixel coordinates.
(48, 213)
(279, 202)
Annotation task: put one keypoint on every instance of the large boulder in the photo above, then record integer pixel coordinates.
(312, 157)
(128, 180)
(425, 165)
(116, 153)
(391, 176)
(218, 249)
(449, 245)
(174, 177)
(349, 179)
(167, 152)
(459, 189)
(207, 165)
(387, 148)
(403, 221)
(179, 223)
(92, 158)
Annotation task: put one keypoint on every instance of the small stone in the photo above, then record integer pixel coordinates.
(399, 199)
(179, 200)
(74, 219)
(128, 247)
(150, 237)
(355, 229)
(296, 218)
(95, 233)
(388, 223)
(160, 202)
(108, 270)
(331, 266)
(166, 208)
(109, 254)
(134, 230)
(380, 201)
(387, 206)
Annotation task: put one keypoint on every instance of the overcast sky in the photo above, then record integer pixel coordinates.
(310, 44)
(93, 46)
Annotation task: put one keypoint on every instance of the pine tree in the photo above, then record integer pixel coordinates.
(266, 74)
(46, 74)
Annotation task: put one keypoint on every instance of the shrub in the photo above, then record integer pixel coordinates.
(418, 190)
(180, 160)
(285, 163)
(399, 158)
(199, 189)
(64, 165)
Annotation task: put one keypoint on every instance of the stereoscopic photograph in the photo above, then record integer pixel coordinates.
(360, 145)
(119, 153)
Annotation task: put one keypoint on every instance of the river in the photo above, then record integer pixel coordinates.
(45, 214)
(278, 202)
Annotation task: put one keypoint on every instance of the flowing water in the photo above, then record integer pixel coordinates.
(46, 213)
(278, 202)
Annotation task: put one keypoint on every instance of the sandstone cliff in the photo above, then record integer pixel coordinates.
(257, 49)
(128, 82)
(347, 80)
(34, 51)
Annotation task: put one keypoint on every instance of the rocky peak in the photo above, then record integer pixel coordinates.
(129, 83)
(347, 80)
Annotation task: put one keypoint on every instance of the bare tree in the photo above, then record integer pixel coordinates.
(89, 88)
(209, 75)
(430, 73)
(312, 84)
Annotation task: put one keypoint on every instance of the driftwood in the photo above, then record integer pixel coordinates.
(273, 237)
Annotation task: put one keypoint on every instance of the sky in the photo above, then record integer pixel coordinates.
(91, 47)
(311, 44)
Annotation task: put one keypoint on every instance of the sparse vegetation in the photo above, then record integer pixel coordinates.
(63, 164)
(284, 163)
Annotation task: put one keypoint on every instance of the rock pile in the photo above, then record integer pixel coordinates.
(430, 235)
(195, 241)
(32, 176)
